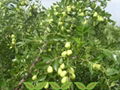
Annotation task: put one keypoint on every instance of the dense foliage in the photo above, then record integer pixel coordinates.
(74, 40)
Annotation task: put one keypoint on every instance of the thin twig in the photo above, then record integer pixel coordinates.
(25, 77)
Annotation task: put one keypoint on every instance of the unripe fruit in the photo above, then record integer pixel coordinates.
(23, 3)
(79, 10)
(63, 73)
(64, 13)
(56, 13)
(35, 7)
(81, 14)
(49, 49)
(69, 52)
(48, 15)
(67, 45)
(62, 66)
(64, 53)
(68, 30)
(73, 76)
(50, 69)
(13, 42)
(11, 47)
(14, 60)
(73, 7)
(95, 14)
(34, 77)
(64, 79)
(60, 23)
(13, 39)
(62, 28)
(69, 8)
(59, 71)
(0, 3)
(50, 21)
(41, 23)
(71, 70)
(85, 22)
(100, 18)
(12, 36)
(96, 66)
(46, 86)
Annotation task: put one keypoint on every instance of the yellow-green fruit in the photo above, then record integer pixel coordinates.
(100, 18)
(95, 14)
(49, 69)
(64, 53)
(73, 7)
(69, 8)
(62, 28)
(85, 22)
(23, 3)
(71, 70)
(64, 79)
(62, 66)
(46, 86)
(13, 43)
(60, 23)
(49, 49)
(81, 14)
(13, 39)
(35, 7)
(34, 77)
(0, 3)
(56, 13)
(63, 73)
(67, 45)
(41, 23)
(96, 66)
(64, 13)
(69, 52)
(79, 10)
(12, 36)
(50, 21)
(48, 15)
(59, 71)
(73, 76)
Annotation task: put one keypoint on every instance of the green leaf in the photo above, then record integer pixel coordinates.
(80, 85)
(54, 85)
(29, 85)
(42, 78)
(91, 85)
(111, 71)
(66, 85)
(56, 65)
(40, 85)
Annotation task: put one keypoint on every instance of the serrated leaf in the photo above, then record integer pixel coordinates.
(54, 85)
(91, 85)
(80, 85)
(40, 85)
(29, 85)
(66, 85)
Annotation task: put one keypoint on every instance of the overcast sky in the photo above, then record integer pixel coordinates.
(113, 8)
